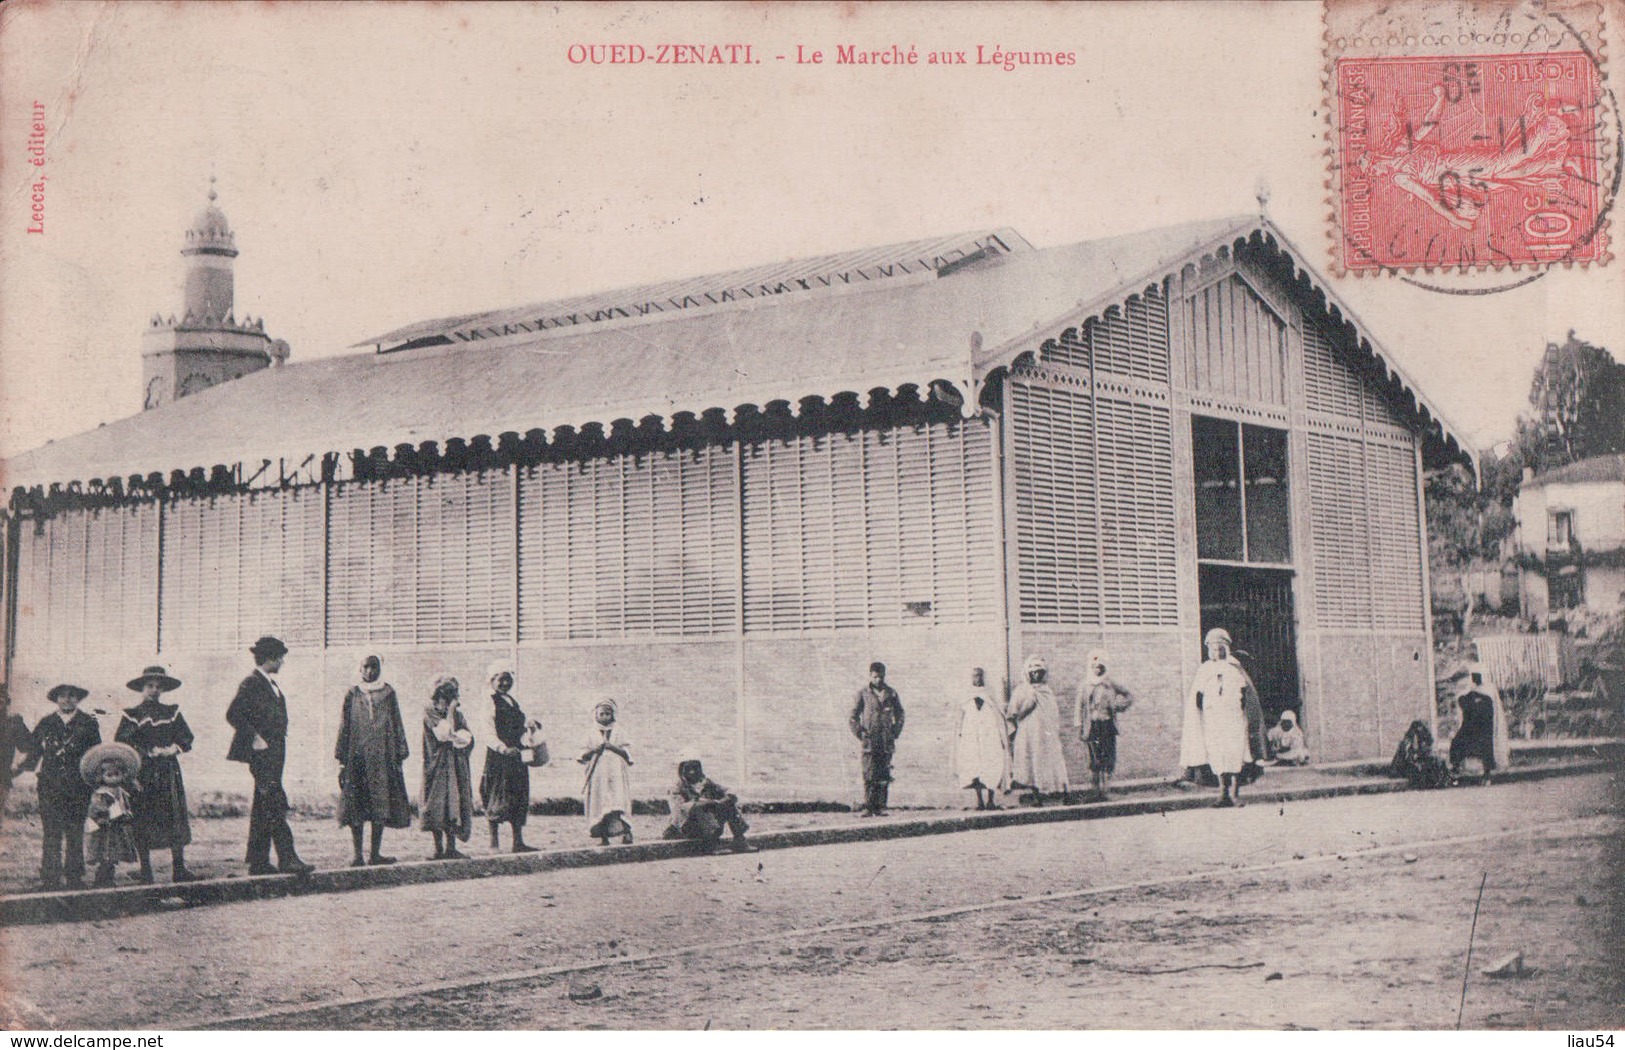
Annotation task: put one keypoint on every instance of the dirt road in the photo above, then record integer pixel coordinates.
(931, 932)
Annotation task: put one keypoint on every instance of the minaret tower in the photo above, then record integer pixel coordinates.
(210, 249)
(208, 345)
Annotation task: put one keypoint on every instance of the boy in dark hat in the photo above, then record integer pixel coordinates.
(159, 734)
(61, 739)
(259, 719)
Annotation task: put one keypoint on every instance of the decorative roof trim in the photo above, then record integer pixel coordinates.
(1257, 232)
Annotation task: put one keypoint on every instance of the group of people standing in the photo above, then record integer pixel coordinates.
(127, 793)
(1016, 746)
(130, 796)
(999, 747)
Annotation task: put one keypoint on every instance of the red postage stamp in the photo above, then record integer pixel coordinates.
(1447, 156)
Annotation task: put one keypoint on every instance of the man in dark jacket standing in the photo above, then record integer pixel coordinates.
(259, 718)
(877, 721)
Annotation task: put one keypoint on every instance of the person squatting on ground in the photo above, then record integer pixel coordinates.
(1100, 700)
(448, 795)
(505, 783)
(259, 719)
(981, 755)
(701, 809)
(877, 721)
(1286, 742)
(370, 749)
(1215, 730)
(159, 734)
(1037, 761)
(1415, 761)
(1482, 734)
(109, 769)
(607, 791)
(61, 739)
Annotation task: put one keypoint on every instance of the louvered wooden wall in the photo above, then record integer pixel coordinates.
(89, 580)
(717, 589)
(1362, 497)
(632, 545)
(1092, 471)
(1098, 440)
(871, 528)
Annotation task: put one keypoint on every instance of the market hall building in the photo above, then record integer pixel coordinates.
(718, 499)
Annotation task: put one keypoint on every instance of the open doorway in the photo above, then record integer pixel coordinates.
(1255, 606)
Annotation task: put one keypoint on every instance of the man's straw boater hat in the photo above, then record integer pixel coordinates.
(155, 673)
(90, 766)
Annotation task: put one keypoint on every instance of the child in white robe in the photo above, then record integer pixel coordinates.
(607, 793)
(981, 760)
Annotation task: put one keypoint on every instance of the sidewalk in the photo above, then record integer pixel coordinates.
(216, 849)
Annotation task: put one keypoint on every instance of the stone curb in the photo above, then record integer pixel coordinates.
(114, 902)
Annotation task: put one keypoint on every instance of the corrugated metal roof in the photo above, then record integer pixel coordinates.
(1595, 469)
(884, 334)
(797, 276)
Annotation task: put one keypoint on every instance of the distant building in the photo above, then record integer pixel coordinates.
(207, 345)
(718, 499)
(1571, 537)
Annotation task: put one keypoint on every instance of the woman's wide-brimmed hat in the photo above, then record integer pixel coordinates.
(90, 766)
(66, 690)
(155, 673)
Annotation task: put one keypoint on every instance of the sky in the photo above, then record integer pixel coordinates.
(383, 164)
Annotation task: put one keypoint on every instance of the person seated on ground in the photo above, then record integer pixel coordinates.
(1286, 742)
(701, 809)
(1415, 761)
(1482, 732)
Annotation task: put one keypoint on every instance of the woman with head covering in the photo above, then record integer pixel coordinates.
(371, 747)
(1100, 700)
(1220, 717)
(1037, 762)
(505, 783)
(448, 793)
(607, 792)
(981, 758)
(159, 734)
(1482, 734)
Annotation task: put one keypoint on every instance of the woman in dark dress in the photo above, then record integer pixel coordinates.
(159, 733)
(371, 747)
(1476, 736)
(505, 783)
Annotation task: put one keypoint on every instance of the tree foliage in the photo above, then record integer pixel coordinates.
(1577, 401)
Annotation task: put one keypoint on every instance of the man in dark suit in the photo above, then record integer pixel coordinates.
(259, 718)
